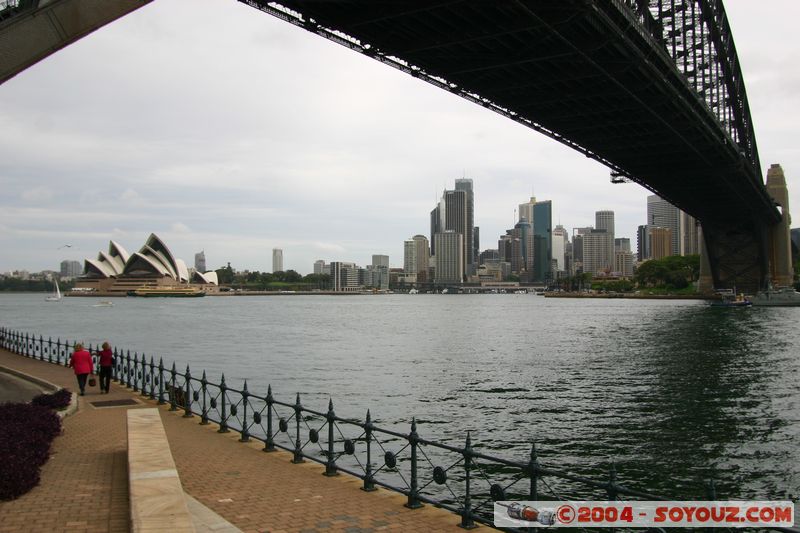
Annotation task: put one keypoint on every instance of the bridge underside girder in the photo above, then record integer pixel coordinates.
(623, 82)
(36, 29)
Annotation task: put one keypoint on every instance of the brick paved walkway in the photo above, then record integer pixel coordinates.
(84, 485)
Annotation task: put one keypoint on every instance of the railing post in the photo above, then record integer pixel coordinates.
(187, 411)
(144, 376)
(27, 347)
(161, 381)
(413, 493)
(152, 379)
(135, 372)
(115, 366)
(41, 348)
(203, 390)
(269, 444)
(49, 349)
(173, 405)
(128, 369)
(245, 433)
(369, 486)
(223, 421)
(298, 452)
(330, 464)
(466, 513)
(533, 471)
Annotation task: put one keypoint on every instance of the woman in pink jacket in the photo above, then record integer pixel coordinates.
(81, 362)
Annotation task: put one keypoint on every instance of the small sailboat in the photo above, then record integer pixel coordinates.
(56, 297)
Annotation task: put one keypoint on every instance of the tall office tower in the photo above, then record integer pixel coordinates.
(623, 263)
(320, 267)
(605, 220)
(577, 248)
(277, 260)
(780, 244)
(410, 261)
(661, 241)
(522, 252)
(526, 210)
(455, 219)
(663, 214)
(560, 240)
(568, 268)
(423, 255)
(471, 252)
(595, 251)
(200, 261)
(643, 243)
(504, 248)
(543, 240)
(449, 257)
(436, 226)
(690, 235)
(622, 245)
(380, 260)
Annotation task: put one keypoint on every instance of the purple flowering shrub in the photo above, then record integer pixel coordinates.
(25, 438)
(57, 400)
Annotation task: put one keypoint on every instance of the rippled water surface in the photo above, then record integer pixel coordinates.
(672, 392)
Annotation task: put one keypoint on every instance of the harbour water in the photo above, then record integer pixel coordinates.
(673, 393)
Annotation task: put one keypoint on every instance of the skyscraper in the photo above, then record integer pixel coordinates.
(277, 260)
(416, 257)
(595, 251)
(526, 210)
(522, 249)
(663, 214)
(449, 257)
(470, 250)
(543, 240)
(409, 256)
(690, 234)
(661, 242)
(200, 261)
(453, 214)
(560, 240)
(605, 220)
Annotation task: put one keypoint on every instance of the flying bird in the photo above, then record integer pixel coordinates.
(65, 246)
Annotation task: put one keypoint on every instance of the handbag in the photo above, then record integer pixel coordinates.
(92, 382)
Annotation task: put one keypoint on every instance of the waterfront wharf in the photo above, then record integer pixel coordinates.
(230, 486)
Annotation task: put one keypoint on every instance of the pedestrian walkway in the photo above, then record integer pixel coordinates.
(84, 485)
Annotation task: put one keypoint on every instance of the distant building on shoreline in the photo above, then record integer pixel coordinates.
(277, 260)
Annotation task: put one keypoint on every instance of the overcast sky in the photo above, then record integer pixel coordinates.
(223, 129)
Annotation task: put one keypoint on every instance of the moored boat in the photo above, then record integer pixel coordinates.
(731, 299)
(167, 292)
(777, 297)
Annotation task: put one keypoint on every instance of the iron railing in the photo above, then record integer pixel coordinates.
(460, 479)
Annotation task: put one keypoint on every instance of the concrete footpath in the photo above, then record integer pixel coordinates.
(230, 485)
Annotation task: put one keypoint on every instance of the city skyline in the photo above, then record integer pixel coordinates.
(304, 158)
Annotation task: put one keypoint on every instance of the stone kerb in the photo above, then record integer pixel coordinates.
(156, 496)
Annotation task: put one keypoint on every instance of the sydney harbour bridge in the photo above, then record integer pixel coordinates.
(653, 89)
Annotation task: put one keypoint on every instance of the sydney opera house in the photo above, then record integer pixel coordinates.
(116, 272)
